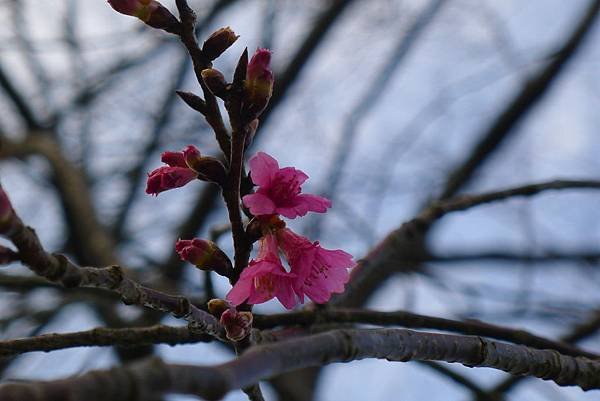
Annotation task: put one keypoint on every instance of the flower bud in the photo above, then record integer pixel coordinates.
(211, 169)
(208, 168)
(151, 12)
(258, 83)
(237, 324)
(218, 42)
(215, 81)
(6, 212)
(217, 306)
(205, 255)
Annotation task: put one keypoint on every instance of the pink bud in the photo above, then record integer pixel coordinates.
(259, 83)
(205, 255)
(150, 12)
(237, 324)
(208, 168)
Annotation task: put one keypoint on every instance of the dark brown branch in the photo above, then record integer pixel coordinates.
(416, 321)
(525, 100)
(269, 360)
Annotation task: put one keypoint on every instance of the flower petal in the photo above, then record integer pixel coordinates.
(262, 169)
(259, 204)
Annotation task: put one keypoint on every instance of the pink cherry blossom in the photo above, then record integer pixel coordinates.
(265, 278)
(280, 190)
(177, 173)
(319, 272)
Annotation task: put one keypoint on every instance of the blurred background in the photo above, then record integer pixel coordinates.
(377, 101)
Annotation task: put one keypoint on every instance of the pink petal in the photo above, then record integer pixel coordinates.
(173, 159)
(292, 174)
(240, 291)
(286, 296)
(262, 169)
(259, 204)
(315, 203)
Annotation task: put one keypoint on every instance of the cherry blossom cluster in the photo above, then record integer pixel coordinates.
(314, 271)
(287, 266)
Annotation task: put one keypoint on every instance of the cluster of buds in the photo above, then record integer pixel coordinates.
(151, 12)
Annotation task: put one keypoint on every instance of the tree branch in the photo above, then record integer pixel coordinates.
(268, 360)
(57, 268)
(128, 337)
(413, 320)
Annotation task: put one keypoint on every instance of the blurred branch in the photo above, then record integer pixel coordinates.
(517, 109)
(405, 44)
(91, 242)
(477, 391)
(403, 247)
(268, 360)
(24, 109)
(548, 256)
(133, 336)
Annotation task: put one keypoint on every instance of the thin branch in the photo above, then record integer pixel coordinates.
(262, 362)
(413, 320)
(127, 337)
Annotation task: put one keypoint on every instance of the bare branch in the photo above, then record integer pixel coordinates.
(416, 321)
(135, 336)
(268, 360)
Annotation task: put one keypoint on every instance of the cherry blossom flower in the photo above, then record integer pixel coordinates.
(265, 278)
(280, 190)
(319, 272)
